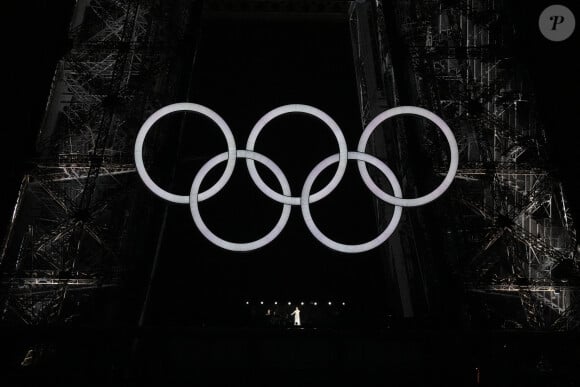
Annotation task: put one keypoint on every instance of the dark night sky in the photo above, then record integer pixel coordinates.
(243, 70)
(275, 64)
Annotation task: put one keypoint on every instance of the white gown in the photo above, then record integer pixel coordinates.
(296, 315)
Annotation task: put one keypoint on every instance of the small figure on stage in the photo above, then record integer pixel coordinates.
(296, 315)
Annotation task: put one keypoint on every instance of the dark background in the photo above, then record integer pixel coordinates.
(35, 38)
(276, 63)
(245, 68)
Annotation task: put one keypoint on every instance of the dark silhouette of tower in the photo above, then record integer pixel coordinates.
(89, 246)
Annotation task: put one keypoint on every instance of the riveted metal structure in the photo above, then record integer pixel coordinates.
(509, 234)
(69, 237)
(505, 229)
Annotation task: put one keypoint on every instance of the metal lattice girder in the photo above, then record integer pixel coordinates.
(490, 126)
(66, 234)
(545, 306)
(77, 173)
(57, 218)
(69, 227)
(515, 213)
(569, 319)
(550, 256)
(479, 169)
(112, 16)
(511, 285)
(533, 309)
(468, 92)
(35, 308)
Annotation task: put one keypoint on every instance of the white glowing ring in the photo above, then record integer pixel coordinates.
(452, 147)
(214, 238)
(285, 198)
(297, 108)
(305, 206)
(177, 107)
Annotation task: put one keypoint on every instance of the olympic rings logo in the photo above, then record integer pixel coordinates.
(285, 198)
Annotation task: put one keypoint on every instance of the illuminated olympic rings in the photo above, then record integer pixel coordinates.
(285, 198)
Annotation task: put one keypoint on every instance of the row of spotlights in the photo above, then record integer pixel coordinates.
(290, 303)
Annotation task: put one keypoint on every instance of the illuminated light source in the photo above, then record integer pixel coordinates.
(314, 230)
(329, 303)
(315, 303)
(301, 303)
(261, 302)
(178, 107)
(232, 245)
(275, 302)
(344, 303)
(247, 302)
(342, 152)
(289, 303)
(305, 199)
(414, 110)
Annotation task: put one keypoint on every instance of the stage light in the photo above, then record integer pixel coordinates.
(261, 302)
(275, 302)
(289, 303)
(247, 302)
(329, 303)
(315, 303)
(344, 303)
(301, 303)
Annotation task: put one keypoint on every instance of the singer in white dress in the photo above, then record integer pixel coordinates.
(296, 315)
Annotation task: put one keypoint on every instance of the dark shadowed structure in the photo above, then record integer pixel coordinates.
(104, 282)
